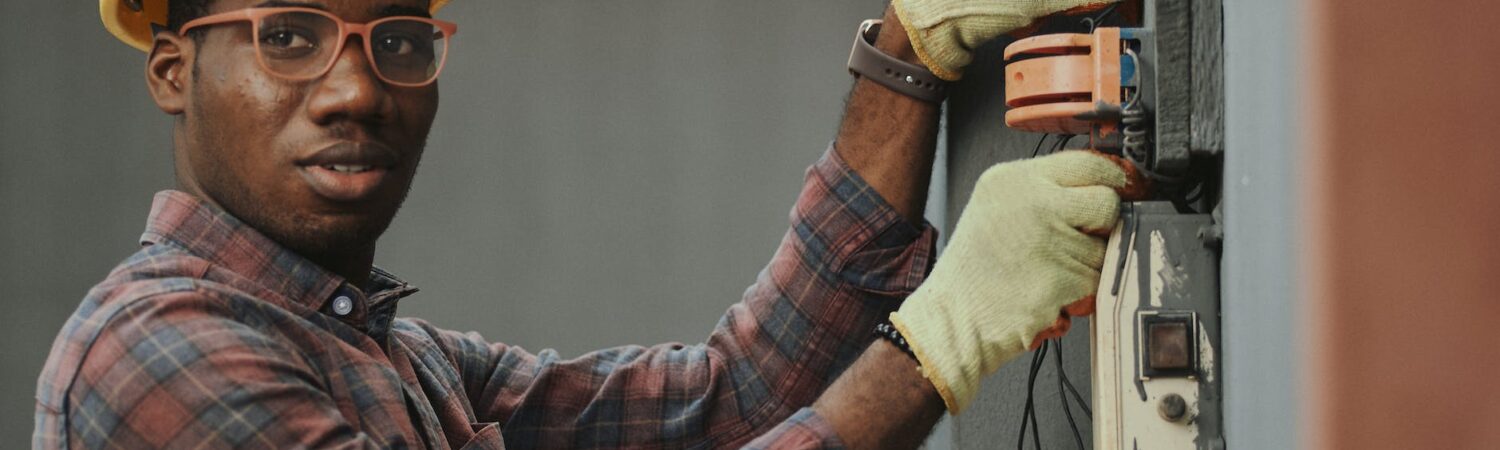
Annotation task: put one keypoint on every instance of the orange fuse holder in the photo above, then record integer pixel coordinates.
(1068, 83)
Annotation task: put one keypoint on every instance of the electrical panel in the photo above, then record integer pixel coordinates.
(1141, 91)
(1155, 334)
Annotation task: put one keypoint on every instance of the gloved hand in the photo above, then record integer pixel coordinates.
(1029, 244)
(944, 32)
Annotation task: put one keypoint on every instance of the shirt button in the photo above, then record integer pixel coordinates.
(342, 305)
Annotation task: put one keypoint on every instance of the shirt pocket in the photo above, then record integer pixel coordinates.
(486, 437)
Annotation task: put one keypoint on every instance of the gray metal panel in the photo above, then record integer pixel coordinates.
(1195, 288)
(1260, 213)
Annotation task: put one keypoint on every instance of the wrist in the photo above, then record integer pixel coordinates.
(881, 401)
(895, 41)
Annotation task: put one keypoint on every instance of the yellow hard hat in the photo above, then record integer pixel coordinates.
(130, 20)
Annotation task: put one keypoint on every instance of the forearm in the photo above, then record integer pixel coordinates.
(881, 402)
(889, 138)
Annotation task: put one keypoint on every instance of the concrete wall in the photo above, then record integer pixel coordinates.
(601, 173)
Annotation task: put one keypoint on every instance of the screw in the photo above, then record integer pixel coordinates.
(1172, 407)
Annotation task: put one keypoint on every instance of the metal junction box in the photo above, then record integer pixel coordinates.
(1155, 334)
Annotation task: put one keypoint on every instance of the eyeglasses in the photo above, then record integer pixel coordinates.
(304, 43)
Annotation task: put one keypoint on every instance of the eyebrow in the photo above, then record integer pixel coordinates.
(284, 3)
(403, 10)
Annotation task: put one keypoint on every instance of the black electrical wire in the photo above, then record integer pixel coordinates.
(1036, 436)
(1026, 411)
(1093, 22)
(1062, 395)
(1062, 142)
(1064, 386)
(1087, 411)
(1028, 415)
(1057, 145)
(1038, 150)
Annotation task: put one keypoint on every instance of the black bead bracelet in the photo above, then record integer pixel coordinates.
(889, 332)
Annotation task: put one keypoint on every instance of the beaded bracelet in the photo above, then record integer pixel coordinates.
(889, 332)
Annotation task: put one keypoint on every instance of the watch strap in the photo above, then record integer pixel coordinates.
(906, 78)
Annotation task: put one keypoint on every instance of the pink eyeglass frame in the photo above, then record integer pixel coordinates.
(346, 29)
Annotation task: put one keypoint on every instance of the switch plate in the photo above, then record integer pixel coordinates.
(1168, 343)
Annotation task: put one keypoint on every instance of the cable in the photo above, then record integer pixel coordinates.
(1087, 411)
(1057, 145)
(1028, 415)
(1064, 386)
(1038, 150)
(1027, 411)
(1062, 142)
(1062, 395)
(1036, 436)
(1093, 22)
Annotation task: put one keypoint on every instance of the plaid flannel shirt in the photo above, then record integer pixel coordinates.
(213, 336)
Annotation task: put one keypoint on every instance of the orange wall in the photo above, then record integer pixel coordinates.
(1403, 241)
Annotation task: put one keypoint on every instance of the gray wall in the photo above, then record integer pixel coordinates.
(1261, 387)
(601, 173)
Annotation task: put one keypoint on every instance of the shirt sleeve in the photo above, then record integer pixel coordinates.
(803, 430)
(845, 264)
(175, 370)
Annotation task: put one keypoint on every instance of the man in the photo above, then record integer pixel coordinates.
(253, 317)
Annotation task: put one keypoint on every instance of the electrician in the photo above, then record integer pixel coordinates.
(252, 316)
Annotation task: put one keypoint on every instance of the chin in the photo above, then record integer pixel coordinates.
(321, 237)
(318, 235)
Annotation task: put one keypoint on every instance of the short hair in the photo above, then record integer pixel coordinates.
(180, 12)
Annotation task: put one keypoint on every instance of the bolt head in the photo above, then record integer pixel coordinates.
(1172, 407)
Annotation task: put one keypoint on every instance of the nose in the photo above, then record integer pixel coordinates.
(351, 91)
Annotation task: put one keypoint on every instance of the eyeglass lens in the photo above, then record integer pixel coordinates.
(300, 44)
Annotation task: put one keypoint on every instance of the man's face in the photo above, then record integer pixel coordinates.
(321, 166)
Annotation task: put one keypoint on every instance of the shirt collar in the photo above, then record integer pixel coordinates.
(203, 230)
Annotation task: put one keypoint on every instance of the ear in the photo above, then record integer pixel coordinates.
(168, 73)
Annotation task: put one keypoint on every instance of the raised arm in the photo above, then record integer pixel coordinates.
(853, 253)
(843, 266)
(890, 138)
(855, 249)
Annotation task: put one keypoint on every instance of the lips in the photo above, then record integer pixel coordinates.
(347, 171)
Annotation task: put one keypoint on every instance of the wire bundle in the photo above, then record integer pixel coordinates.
(1064, 389)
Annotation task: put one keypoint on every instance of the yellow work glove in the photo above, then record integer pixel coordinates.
(945, 32)
(1029, 243)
